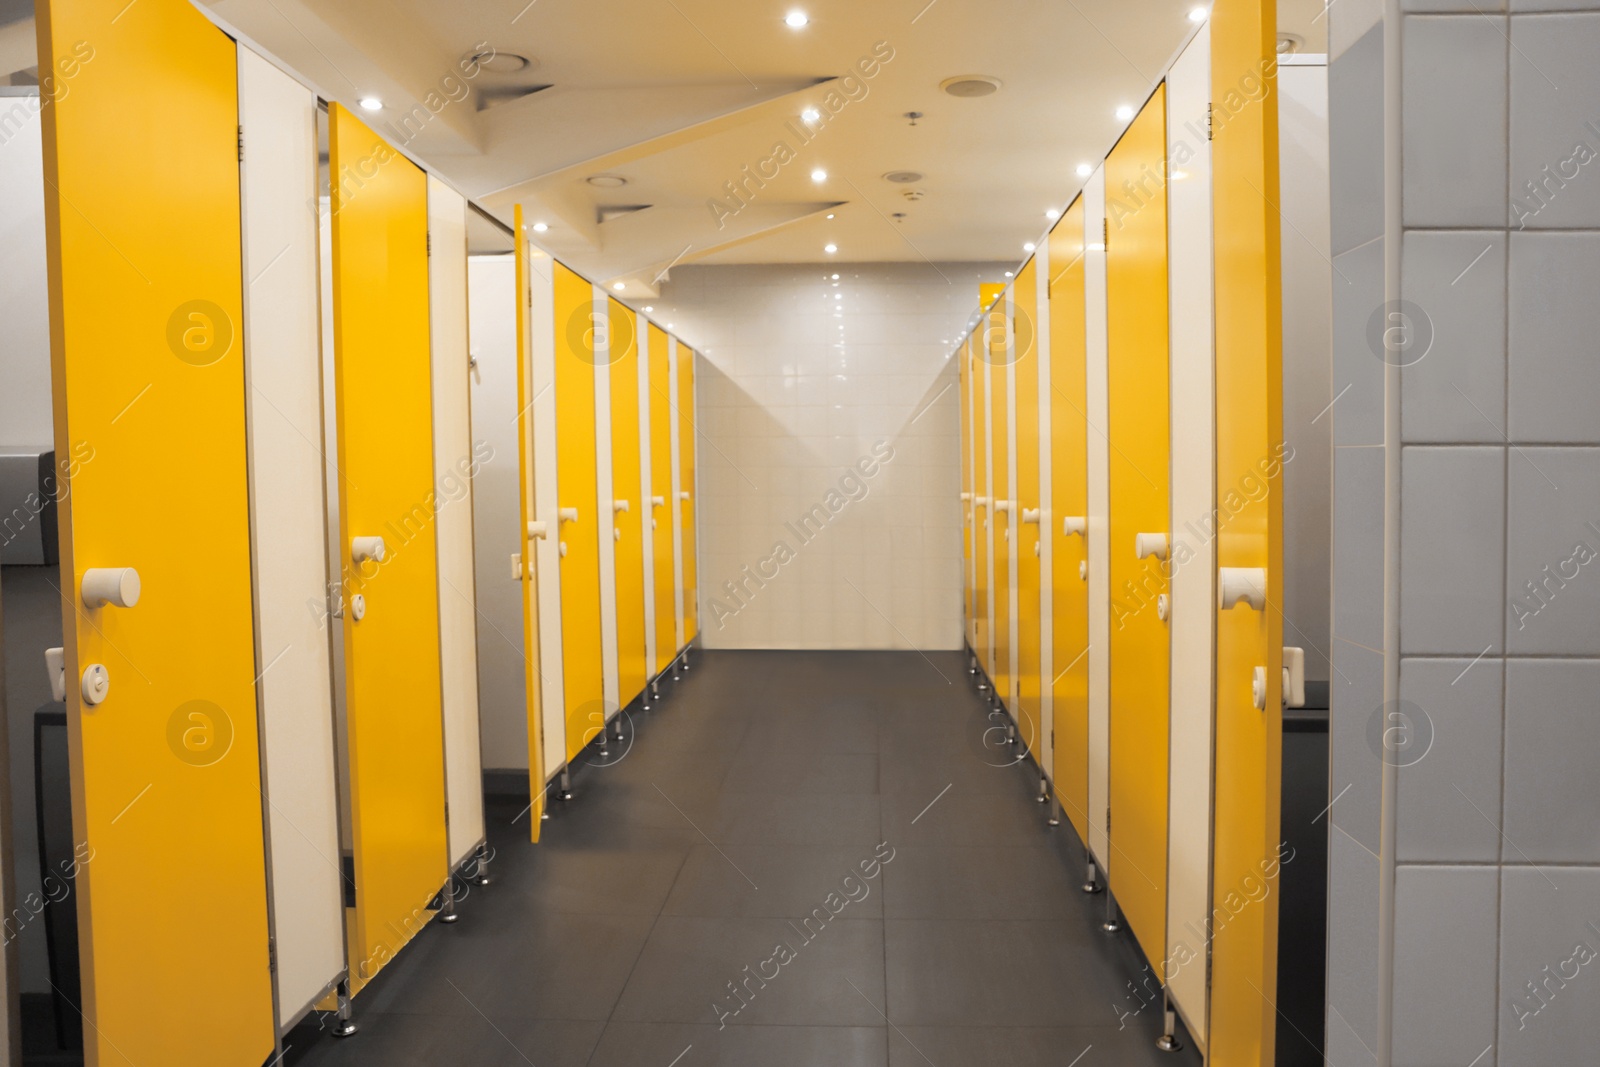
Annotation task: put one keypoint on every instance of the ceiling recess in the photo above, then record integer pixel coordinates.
(970, 85)
(498, 62)
(903, 177)
(606, 181)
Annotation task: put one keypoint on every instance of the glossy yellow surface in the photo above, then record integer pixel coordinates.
(686, 449)
(1069, 495)
(660, 399)
(980, 503)
(530, 577)
(384, 403)
(1025, 363)
(576, 487)
(1140, 436)
(627, 484)
(1000, 522)
(143, 220)
(1249, 368)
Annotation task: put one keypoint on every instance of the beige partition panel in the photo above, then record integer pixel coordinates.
(455, 464)
(541, 348)
(650, 513)
(678, 445)
(497, 513)
(1041, 344)
(600, 322)
(283, 399)
(1193, 501)
(1099, 403)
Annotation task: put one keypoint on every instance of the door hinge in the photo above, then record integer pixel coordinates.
(429, 238)
(272, 953)
(1108, 820)
(447, 813)
(241, 144)
(1210, 131)
(1105, 232)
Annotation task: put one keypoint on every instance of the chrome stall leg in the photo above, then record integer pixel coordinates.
(1111, 924)
(480, 870)
(343, 1024)
(447, 908)
(1090, 885)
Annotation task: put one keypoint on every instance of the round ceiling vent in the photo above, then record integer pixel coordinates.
(970, 85)
(903, 177)
(606, 181)
(497, 62)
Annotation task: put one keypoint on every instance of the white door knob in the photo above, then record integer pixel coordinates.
(966, 497)
(619, 506)
(96, 684)
(55, 665)
(616, 534)
(1258, 688)
(1163, 607)
(1146, 545)
(1002, 505)
(563, 550)
(117, 586)
(538, 528)
(1247, 584)
(358, 607)
(1074, 524)
(1036, 548)
(1083, 570)
(567, 515)
(1030, 515)
(658, 501)
(684, 495)
(363, 549)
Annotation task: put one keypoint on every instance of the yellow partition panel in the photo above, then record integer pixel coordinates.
(686, 450)
(580, 519)
(1139, 432)
(627, 483)
(1069, 497)
(1002, 508)
(147, 364)
(384, 404)
(530, 576)
(980, 500)
(1249, 369)
(660, 399)
(1025, 373)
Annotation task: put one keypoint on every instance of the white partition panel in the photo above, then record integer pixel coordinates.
(497, 513)
(541, 348)
(677, 488)
(606, 491)
(456, 462)
(647, 492)
(1194, 496)
(1099, 402)
(1012, 532)
(1047, 671)
(288, 531)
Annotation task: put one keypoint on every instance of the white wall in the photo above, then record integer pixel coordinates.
(25, 416)
(805, 370)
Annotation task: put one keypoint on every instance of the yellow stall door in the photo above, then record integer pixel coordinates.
(686, 452)
(1136, 310)
(660, 401)
(628, 508)
(1025, 372)
(1249, 368)
(384, 399)
(143, 223)
(580, 520)
(980, 501)
(1001, 507)
(532, 679)
(1069, 524)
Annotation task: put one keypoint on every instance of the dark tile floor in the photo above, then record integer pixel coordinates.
(757, 786)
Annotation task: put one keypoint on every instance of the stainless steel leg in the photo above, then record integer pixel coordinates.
(1090, 885)
(481, 866)
(343, 1024)
(1168, 1041)
(1112, 923)
(447, 909)
(565, 792)
(1044, 790)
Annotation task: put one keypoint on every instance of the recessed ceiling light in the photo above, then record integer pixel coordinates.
(1197, 14)
(1052, 214)
(540, 227)
(1124, 112)
(1084, 170)
(1008, 274)
(838, 296)
(669, 325)
(1028, 247)
(830, 249)
(606, 181)
(795, 19)
(830, 214)
(619, 286)
(819, 175)
(647, 307)
(371, 103)
(971, 85)
(835, 277)
(811, 115)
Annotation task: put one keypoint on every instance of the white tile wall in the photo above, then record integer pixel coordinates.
(804, 371)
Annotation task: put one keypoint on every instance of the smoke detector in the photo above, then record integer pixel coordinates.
(903, 177)
(913, 194)
(971, 85)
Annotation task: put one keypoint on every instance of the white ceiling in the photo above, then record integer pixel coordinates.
(677, 96)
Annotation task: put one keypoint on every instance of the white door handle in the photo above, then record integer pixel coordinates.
(1074, 524)
(516, 566)
(538, 528)
(684, 495)
(363, 549)
(658, 501)
(55, 665)
(117, 586)
(966, 498)
(1030, 515)
(1146, 545)
(567, 515)
(981, 501)
(1002, 505)
(1294, 677)
(619, 506)
(1248, 584)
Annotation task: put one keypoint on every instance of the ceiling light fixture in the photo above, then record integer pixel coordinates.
(830, 248)
(819, 175)
(619, 286)
(648, 308)
(796, 20)
(830, 215)
(835, 277)
(1124, 112)
(1028, 247)
(1197, 14)
(540, 227)
(1084, 170)
(1008, 274)
(371, 103)
(1052, 214)
(810, 115)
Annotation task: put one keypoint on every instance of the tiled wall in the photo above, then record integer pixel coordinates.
(1497, 883)
(804, 370)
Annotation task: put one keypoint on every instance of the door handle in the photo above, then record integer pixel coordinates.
(1074, 524)
(567, 515)
(117, 586)
(1030, 515)
(658, 501)
(1002, 505)
(1146, 545)
(538, 528)
(619, 506)
(684, 495)
(1246, 584)
(55, 665)
(363, 549)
